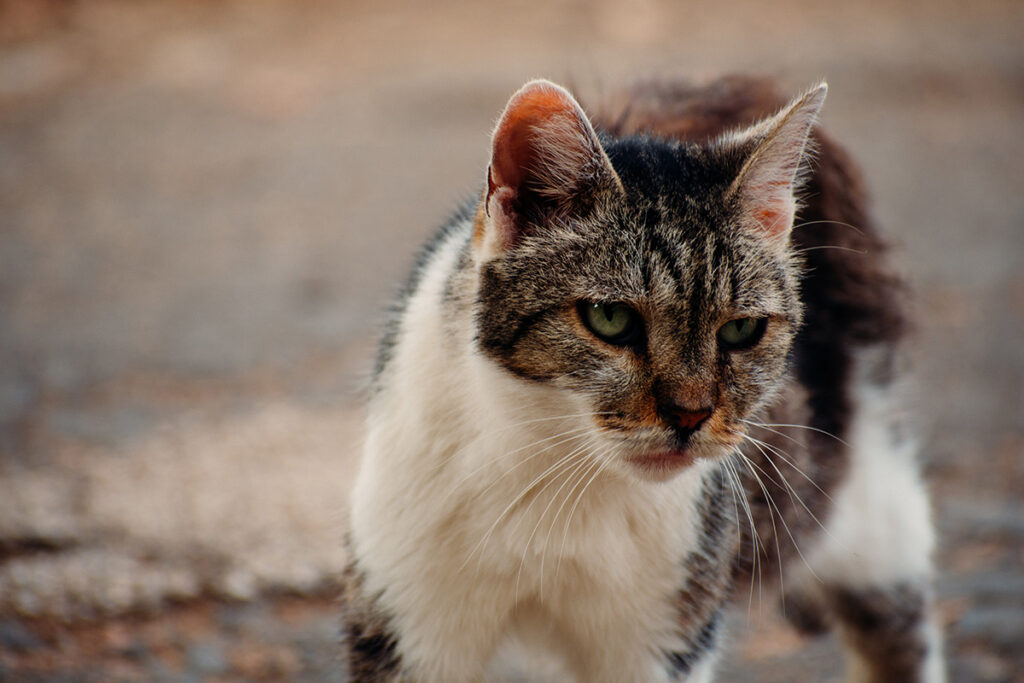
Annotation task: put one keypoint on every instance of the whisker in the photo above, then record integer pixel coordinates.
(735, 503)
(785, 526)
(739, 490)
(759, 550)
(526, 547)
(518, 425)
(778, 452)
(766, 425)
(823, 221)
(568, 463)
(793, 495)
(563, 462)
(831, 246)
(570, 435)
(593, 465)
(602, 461)
(771, 515)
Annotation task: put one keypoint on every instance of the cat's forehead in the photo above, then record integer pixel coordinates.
(667, 250)
(642, 253)
(683, 181)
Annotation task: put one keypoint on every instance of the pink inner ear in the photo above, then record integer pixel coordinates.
(770, 177)
(514, 150)
(772, 206)
(535, 117)
(544, 150)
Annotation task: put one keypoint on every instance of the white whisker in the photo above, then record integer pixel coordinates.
(602, 461)
(821, 222)
(518, 425)
(563, 462)
(766, 425)
(740, 491)
(569, 436)
(782, 518)
(584, 472)
(771, 515)
(831, 246)
(779, 453)
(526, 547)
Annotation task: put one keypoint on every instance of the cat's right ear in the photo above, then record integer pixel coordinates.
(546, 162)
(767, 184)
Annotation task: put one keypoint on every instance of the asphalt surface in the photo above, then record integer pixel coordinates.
(204, 207)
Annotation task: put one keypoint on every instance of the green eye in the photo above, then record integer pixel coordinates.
(741, 333)
(615, 323)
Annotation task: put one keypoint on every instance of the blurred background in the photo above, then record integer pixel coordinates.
(205, 206)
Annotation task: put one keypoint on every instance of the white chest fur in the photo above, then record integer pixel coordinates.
(483, 509)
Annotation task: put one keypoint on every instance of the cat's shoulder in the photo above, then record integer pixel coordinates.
(453, 232)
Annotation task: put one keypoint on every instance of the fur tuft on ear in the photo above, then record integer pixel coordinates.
(546, 161)
(769, 179)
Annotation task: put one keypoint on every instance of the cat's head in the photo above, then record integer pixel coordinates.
(652, 281)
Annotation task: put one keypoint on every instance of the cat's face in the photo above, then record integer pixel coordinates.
(649, 286)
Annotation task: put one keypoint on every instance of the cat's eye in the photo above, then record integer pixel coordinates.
(615, 323)
(741, 333)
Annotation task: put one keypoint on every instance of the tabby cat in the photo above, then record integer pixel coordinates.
(622, 390)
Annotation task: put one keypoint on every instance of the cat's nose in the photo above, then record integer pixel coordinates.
(690, 420)
(685, 422)
(684, 406)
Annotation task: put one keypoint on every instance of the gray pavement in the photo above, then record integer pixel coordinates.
(205, 206)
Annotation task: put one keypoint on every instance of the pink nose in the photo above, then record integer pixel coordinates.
(691, 419)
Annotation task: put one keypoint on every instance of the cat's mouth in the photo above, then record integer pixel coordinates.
(662, 464)
(661, 456)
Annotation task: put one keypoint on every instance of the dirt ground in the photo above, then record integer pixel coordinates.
(204, 206)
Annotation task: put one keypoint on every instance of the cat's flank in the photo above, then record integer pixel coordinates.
(622, 389)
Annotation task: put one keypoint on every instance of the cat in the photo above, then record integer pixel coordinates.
(622, 390)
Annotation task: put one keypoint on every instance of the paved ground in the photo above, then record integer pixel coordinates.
(204, 207)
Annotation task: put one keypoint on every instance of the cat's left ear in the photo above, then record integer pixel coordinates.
(769, 179)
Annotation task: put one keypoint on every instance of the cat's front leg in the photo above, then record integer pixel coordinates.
(369, 639)
(436, 632)
(888, 633)
(870, 574)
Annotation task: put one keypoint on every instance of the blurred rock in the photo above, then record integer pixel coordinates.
(16, 637)
(206, 658)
